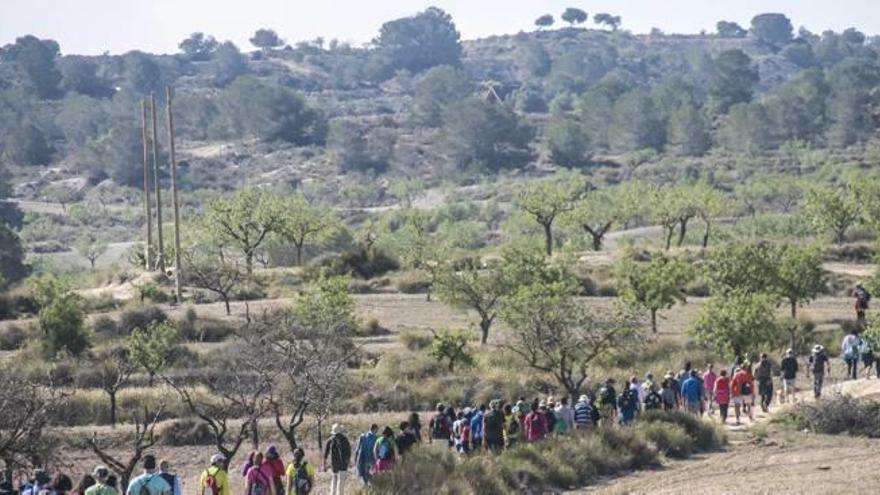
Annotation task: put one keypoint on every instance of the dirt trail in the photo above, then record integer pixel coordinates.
(790, 462)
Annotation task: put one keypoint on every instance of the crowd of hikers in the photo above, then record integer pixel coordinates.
(494, 426)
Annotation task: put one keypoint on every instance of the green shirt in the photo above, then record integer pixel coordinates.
(100, 489)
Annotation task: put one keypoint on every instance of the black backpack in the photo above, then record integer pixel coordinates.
(301, 482)
(746, 388)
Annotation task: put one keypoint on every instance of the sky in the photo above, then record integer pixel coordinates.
(157, 26)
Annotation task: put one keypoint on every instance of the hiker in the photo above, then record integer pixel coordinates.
(668, 395)
(764, 374)
(461, 430)
(863, 297)
(477, 428)
(61, 484)
(172, 480)
(628, 405)
(742, 388)
(640, 392)
(564, 417)
(273, 459)
(512, 426)
(415, 426)
(789, 366)
(86, 482)
(535, 425)
(363, 455)
(721, 394)
(301, 474)
(440, 426)
(608, 401)
(549, 417)
(215, 479)
(675, 386)
(850, 349)
(692, 393)
(685, 373)
(36, 484)
(493, 428)
(866, 353)
(653, 400)
(406, 439)
(112, 482)
(149, 483)
(385, 451)
(258, 480)
(819, 363)
(100, 486)
(582, 416)
(709, 378)
(521, 408)
(338, 449)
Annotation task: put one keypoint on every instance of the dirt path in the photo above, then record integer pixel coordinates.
(783, 463)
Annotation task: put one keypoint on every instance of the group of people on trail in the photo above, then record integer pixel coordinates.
(156, 479)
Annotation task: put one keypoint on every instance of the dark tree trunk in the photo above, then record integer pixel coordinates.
(548, 238)
(682, 232)
(654, 320)
(249, 262)
(597, 242)
(485, 323)
(670, 231)
(299, 254)
(226, 303)
(152, 378)
(112, 408)
(793, 309)
(706, 234)
(255, 434)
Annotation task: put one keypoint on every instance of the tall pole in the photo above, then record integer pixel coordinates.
(161, 261)
(177, 267)
(148, 210)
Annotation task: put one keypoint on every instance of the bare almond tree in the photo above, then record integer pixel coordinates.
(143, 439)
(115, 369)
(207, 269)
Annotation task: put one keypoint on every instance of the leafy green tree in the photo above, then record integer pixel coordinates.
(227, 63)
(799, 275)
(574, 16)
(728, 29)
(611, 21)
(772, 29)
(417, 248)
(420, 42)
(738, 323)
(115, 368)
(545, 202)
(143, 75)
(436, 89)
(635, 125)
(304, 224)
(850, 101)
(673, 207)
(61, 321)
(535, 59)
(799, 53)
(406, 191)
(689, 131)
(798, 107)
(27, 145)
(243, 221)
(12, 267)
(747, 128)
(568, 142)
(655, 285)
(452, 346)
(36, 58)
(90, 248)
(272, 112)
(80, 75)
(833, 210)
(544, 21)
(749, 268)
(478, 133)
(207, 269)
(151, 347)
(198, 47)
(477, 288)
(266, 39)
(709, 204)
(555, 334)
(732, 79)
(326, 306)
(598, 212)
(356, 148)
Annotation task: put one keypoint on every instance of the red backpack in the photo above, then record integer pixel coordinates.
(210, 486)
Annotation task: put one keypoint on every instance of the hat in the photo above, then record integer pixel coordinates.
(669, 374)
(583, 398)
(789, 352)
(542, 404)
(466, 411)
(101, 472)
(272, 452)
(218, 459)
(337, 428)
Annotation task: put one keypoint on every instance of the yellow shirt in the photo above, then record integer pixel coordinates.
(220, 477)
(310, 471)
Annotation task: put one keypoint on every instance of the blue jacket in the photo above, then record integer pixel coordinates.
(691, 389)
(477, 426)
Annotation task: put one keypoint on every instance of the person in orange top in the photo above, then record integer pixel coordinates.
(742, 387)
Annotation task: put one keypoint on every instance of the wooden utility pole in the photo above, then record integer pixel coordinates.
(177, 267)
(148, 210)
(161, 260)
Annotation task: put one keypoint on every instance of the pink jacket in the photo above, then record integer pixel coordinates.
(722, 390)
(536, 426)
(709, 381)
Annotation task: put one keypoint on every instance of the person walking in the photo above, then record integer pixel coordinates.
(406, 439)
(863, 298)
(100, 486)
(512, 426)
(628, 405)
(535, 425)
(850, 351)
(258, 479)
(385, 451)
(789, 370)
(86, 482)
(564, 416)
(819, 364)
(709, 378)
(477, 428)
(172, 479)
(692, 393)
(461, 431)
(764, 374)
(742, 389)
(363, 455)
(866, 353)
(582, 413)
(441, 426)
(608, 401)
(415, 426)
(493, 428)
(149, 482)
(669, 396)
(273, 459)
(215, 479)
(61, 484)
(338, 450)
(653, 400)
(721, 394)
(301, 474)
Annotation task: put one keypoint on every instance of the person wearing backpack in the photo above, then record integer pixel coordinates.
(36, 484)
(628, 405)
(819, 363)
(461, 430)
(863, 298)
(385, 451)
(742, 388)
(789, 370)
(866, 353)
(764, 374)
(721, 394)
(149, 483)
(850, 349)
(608, 401)
(300, 474)
(406, 439)
(172, 479)
(477, 428)
(582, 416)
(215, 479)
(440, 426)
(512, 426)
(363, 455)
(258, 480)
(692, 393)
(100, 487)
(338, 449)
(653, 400)
(493, 428)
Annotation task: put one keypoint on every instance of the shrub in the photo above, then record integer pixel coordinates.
(185, 432)
(840, 414)
(140, 318)
(12, 338)
(372, 328)
(414, 282)
(103, 324)
(670, 439)
(360, 263)
(415, 340)
(704, 436)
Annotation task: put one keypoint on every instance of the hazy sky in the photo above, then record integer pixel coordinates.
(95, 26)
